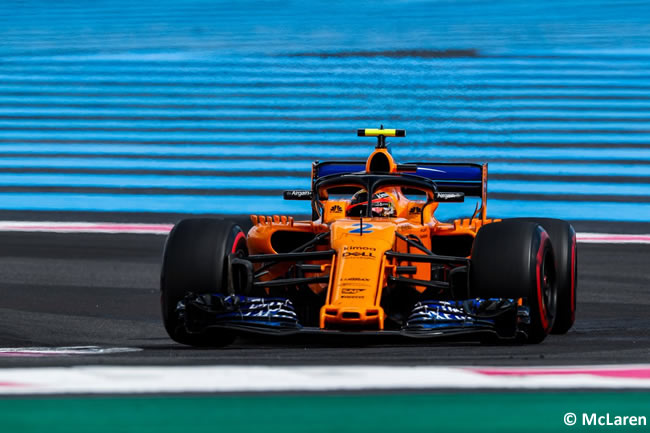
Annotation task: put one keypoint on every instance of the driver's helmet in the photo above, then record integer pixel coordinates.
(382, 205)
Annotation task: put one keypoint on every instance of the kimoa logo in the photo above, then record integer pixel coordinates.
(336, 209)
(362, 227)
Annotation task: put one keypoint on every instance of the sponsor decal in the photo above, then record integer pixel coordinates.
(453, 197)
(364, 254)
(336, 209)
(362, 227)
(352, 291)
(438, 311)
(415, 210)
(297, 194)
(354, 283)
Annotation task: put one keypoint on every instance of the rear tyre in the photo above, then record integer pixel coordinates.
(563, 238)
(195, 260)
(514, 259)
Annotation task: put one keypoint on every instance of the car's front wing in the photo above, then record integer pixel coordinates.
(428, 319)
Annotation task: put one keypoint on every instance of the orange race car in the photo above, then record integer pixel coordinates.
(373, 260)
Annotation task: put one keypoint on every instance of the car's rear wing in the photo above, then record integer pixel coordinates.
(449, 177)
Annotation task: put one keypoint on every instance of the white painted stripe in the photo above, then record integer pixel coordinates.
(163, 229)
(63, 351)
(84, 227)
(146, 379)
(611, 238)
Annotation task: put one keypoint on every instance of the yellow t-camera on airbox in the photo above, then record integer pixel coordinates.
(381, 134)
(377, 132)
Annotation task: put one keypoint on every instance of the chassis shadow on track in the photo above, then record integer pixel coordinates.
(349, 341)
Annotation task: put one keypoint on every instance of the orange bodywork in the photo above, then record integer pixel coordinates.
(360, 269)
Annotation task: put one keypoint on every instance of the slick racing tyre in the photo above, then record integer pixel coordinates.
(563, 238)
(514, 259)
(195, 260)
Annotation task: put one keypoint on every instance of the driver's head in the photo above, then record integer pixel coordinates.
(382, 205)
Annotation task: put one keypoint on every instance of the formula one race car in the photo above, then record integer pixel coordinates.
(373, 260)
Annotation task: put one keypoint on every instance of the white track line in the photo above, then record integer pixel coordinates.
(84, 227)
(146, 379)
(610, 238)
(163, 229)
(14, 352)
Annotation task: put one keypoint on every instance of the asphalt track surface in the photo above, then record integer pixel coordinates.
(102, 290)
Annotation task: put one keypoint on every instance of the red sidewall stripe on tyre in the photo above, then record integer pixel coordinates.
(239, 236)
(573, 277)
(538, 267)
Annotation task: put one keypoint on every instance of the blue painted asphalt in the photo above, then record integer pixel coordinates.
(28, 109)
(302, 168)
(326, 89)
(333, 151)
(55, 96)
(292, 182)
(554, 90)
(565, 138)
(324, 81)
(595, 211)
(482, 129)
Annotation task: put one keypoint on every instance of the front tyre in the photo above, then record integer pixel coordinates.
(563, 238)
(514, 259)
(195, 260)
